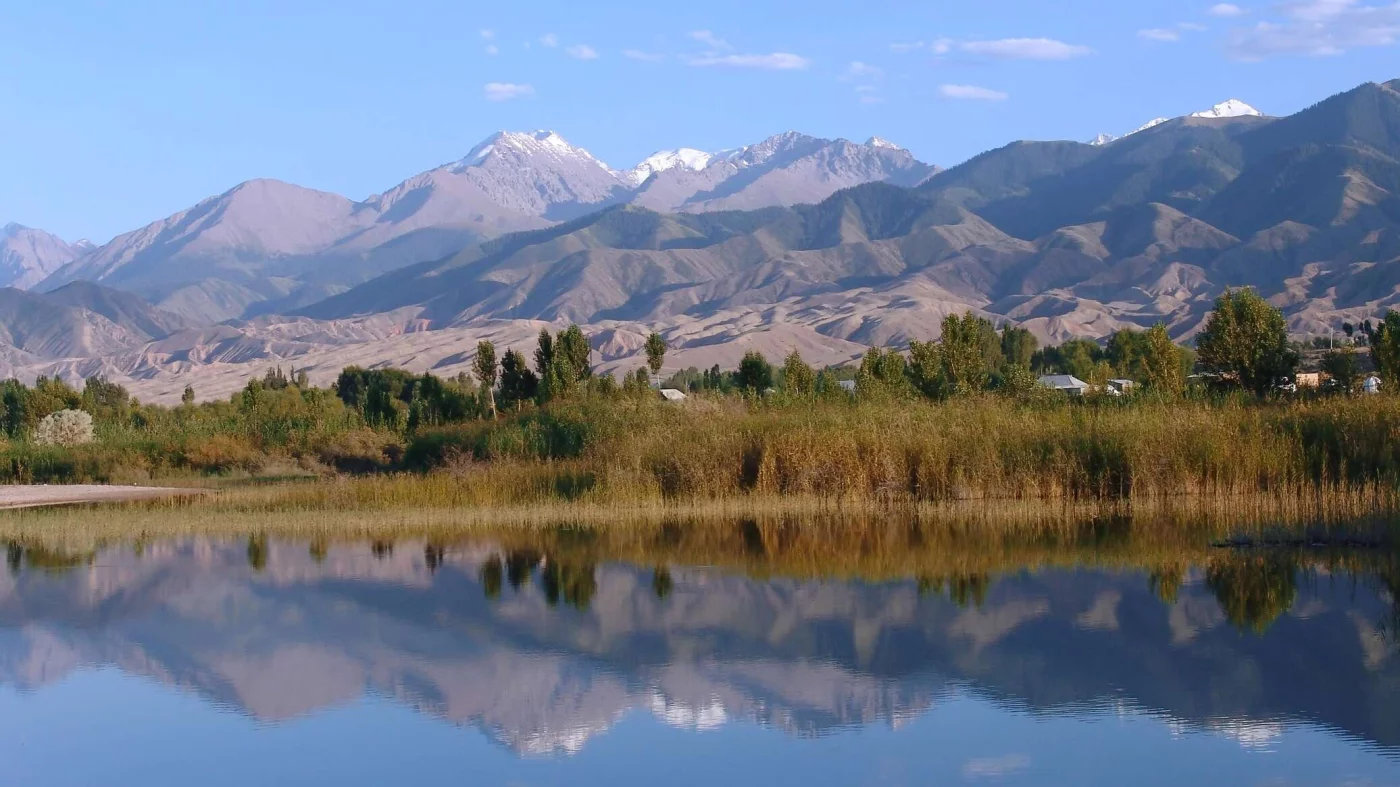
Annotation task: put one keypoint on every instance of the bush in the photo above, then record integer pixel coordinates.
(65, 428)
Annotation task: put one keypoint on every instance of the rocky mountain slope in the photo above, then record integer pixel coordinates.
(266, 246)
(28, 256)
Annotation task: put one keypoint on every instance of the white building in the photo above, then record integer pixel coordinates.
(1065, 382)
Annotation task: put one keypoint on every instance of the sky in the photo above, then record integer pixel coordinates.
(119, 114)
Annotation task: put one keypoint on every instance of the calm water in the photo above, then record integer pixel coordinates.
(233, 662)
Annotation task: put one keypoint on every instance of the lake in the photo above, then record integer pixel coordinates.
(571, 660)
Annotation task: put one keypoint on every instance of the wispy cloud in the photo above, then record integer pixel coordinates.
(710, 40)
(487, 34)
(1318, 28)
(549, 40)
(1025, 49)
(645, 57)
(581, 52)
(505, 91)
(493, 50)
(869, 94)
(859, 70)
(1161, 34)
(908, 46)
(777, 61)
(1226, 11)
(971, 93)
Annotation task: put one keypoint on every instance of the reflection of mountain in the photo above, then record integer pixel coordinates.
(807, 657)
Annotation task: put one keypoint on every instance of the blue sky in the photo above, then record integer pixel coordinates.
(117, 114)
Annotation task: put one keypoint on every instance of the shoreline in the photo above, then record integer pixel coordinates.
(20, 496)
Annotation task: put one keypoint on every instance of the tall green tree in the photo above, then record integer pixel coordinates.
(882, 373)
(798, 377)
(518, 383)
(487, 371)
(1385, 350)
(965, 362)
(656, 352)
(1341, 365)
(1018, 346)
(1161, 363)
(755, 374)
(1245, 340)
(926, 369)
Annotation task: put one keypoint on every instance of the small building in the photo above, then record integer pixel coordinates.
(1308, 380)
(1371, 385)
(849, 386)
(1121, 387)
(672, 395)
(1065, 382)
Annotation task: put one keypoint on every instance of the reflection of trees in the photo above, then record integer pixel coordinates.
(1165, 582)
(318, 550)
(574, 582)
(432, 556)
(661, 583)
(963, 589)
(492, 574)
(257, 551)
(382, 549)
(1254, 589)
(52, 561)
(520, 564)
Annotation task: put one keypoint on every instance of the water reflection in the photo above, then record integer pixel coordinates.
(545, 642)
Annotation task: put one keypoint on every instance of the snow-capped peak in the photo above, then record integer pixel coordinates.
(877, 142)
(1102, 139)
(526, 143)
(1234, 108)
(682, 158)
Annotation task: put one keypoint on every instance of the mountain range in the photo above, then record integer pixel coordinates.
(266, 246)
(820, 245)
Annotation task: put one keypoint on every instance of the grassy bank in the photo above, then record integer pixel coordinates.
(611, 452)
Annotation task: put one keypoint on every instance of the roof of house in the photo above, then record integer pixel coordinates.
(1062, 381)
(671, 394)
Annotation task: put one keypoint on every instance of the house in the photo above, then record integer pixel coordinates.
(1121, 387)
(1308, 380)
(1371, 385)
(1065, 382)
(672, 395)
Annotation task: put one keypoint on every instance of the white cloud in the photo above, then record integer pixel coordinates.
(1161, 34)
(581, 51)
(645, 57)
(505, 91)
(971, 93)
(1026, 49)
(1226, 10)
(910, 46)
(715, 43)
(870, 98)
(778, 61)
(943, 46)
(859, 70)
(493, 50)
(549, 40)
(487, 35)
(1318, 28)
(1194, 27)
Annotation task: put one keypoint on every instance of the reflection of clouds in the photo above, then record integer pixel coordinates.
(689, 717)
(995, 767)
(1103, 615)
(1253, 735)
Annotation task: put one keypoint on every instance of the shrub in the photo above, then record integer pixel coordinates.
(65, 427)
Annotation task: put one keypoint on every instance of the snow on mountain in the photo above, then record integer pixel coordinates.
(661, 161)
(1234, 108)
(877, 142)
